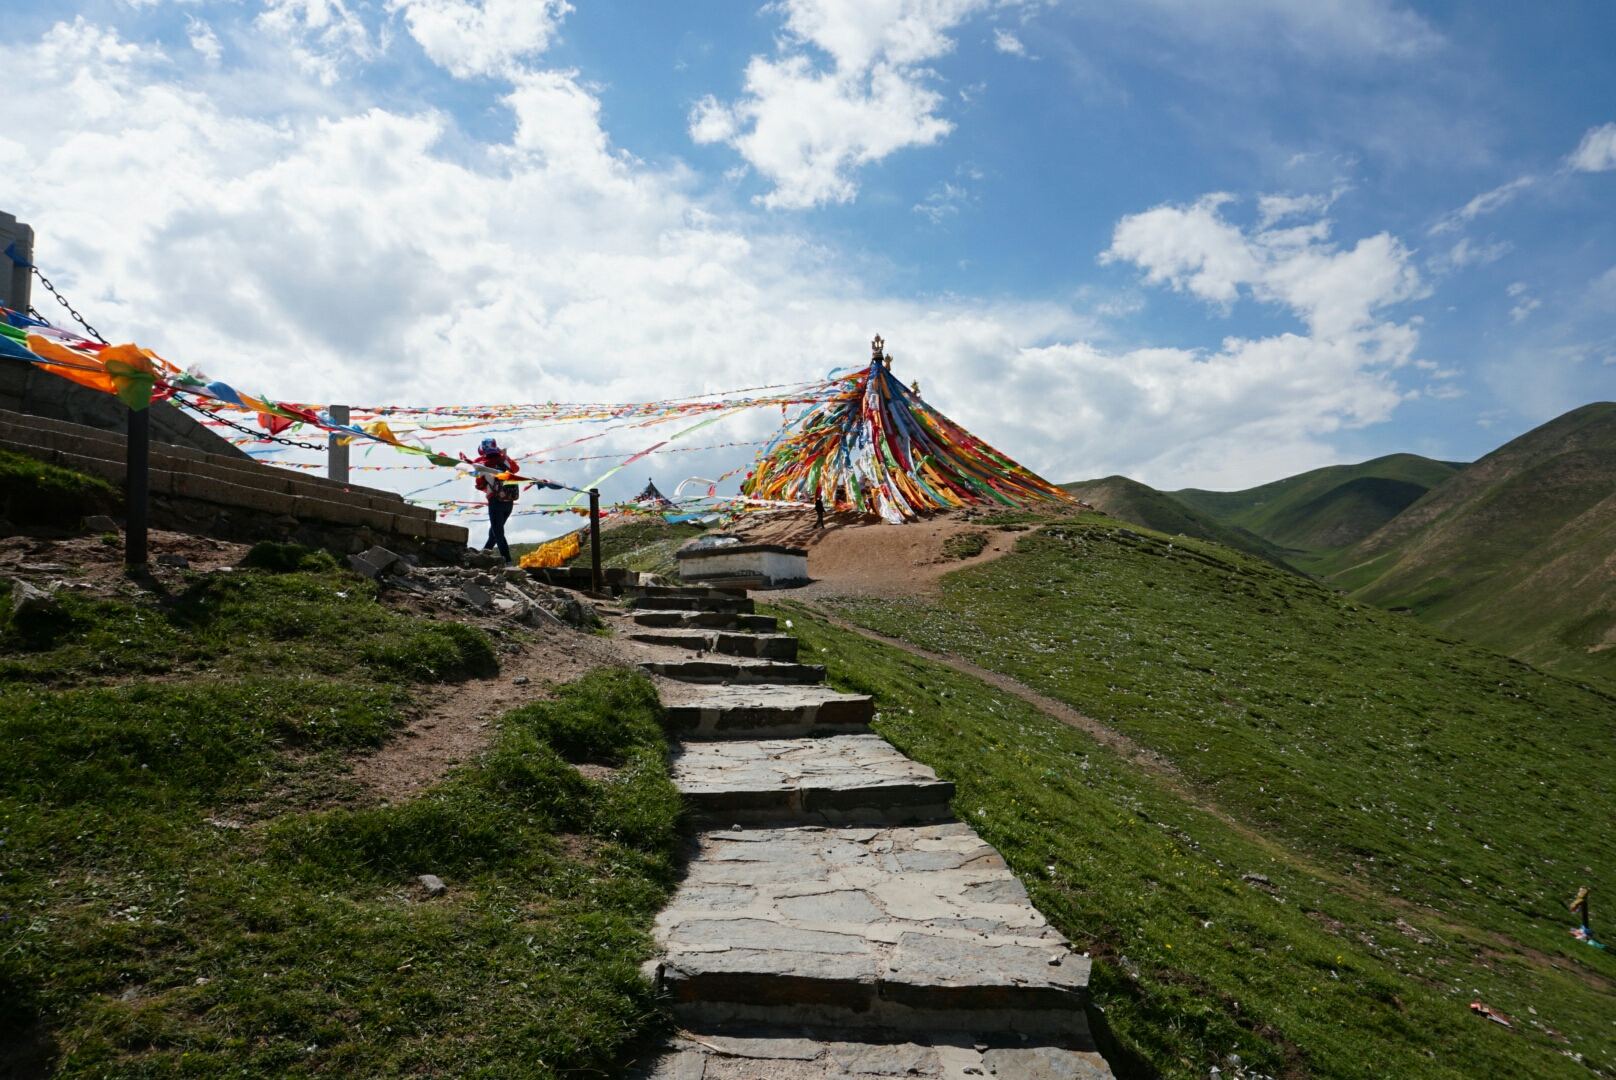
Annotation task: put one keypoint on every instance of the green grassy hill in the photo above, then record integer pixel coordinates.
(1142, 505)
(1358, 827)
(193, 885)
(1317, 513)
(1515, 551)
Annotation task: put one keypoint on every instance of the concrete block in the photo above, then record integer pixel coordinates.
(1045, 1063)
(777, 711)
(779, 926)
(763, 646)
(739, 671)
(841, 780)
(732, 605)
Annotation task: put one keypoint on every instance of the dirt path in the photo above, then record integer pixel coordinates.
(1170, 776)
(451, 723)
(1142, 756)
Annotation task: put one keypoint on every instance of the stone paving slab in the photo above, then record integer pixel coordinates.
(729, 605)
(697, 712)
(943, 1055)
(764, 646)
(837, 780)
(739, 670)
(706, 620)
(914, 928)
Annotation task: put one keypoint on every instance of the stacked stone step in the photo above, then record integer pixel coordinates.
(835, 919)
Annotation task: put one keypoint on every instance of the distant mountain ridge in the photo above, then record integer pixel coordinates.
(1142, 505)
(1315, 514)
(1516, 551)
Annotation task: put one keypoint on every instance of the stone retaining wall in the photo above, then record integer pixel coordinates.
(237, 498)
(26, 388)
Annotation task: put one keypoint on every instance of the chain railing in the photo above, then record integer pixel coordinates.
(45, 281)
(262, 436)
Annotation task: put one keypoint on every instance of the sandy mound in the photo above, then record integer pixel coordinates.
(859, 555)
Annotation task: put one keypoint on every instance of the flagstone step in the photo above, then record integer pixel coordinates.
(706, 620)
(730, 605)
(777, 711)
(766, 646)
(796, 1054)
(917, 928)
(835, 780)
(742, 670)
(681, 590)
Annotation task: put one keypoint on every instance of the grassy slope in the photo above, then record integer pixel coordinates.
(1514, 551)
(1326, 509)
(1142, 505)
(141, 940)
(34, 493)
(1424, 807)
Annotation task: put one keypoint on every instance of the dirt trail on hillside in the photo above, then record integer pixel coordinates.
(451, 723)
(1059, 710)
(1168, 774)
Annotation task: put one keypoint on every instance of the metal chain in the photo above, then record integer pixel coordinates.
(262, 436)
(45, 281)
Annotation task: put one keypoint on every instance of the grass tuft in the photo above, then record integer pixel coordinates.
(287, 558)
(34, 493)
(324, 622)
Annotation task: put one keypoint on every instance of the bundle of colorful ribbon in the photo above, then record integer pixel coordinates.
(876, 447)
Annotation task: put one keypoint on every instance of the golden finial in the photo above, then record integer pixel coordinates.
(914, 388)
(875, 348)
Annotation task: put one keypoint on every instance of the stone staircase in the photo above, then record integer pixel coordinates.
(834, 919)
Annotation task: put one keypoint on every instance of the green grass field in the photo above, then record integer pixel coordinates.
(1422, 808)
(1138, 504)
(191, 885)
(1314, 514)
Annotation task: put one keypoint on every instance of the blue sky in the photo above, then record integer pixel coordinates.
(1200, 243)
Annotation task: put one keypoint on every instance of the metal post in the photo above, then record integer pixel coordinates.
(595, 582)
(336, 451)
(136, 464)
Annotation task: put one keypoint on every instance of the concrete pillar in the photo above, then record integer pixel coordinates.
(336, 452)
(16, 281)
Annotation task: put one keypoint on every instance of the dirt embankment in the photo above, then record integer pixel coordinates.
(858, 555)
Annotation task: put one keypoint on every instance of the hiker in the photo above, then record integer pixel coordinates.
(501, 496)
(1579, 905)
(819, 510)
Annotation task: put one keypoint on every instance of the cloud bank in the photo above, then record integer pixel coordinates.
(807, 129)
(321, 248)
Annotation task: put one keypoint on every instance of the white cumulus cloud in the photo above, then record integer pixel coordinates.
(1261, 406)
(1597, 151)
(807, 129)
(319, 250)
(1007, 42)
(481, 38)
(322, 35)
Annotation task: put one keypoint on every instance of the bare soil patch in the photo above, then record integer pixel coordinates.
(451, 724)
(860, 555)
(89, 565)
